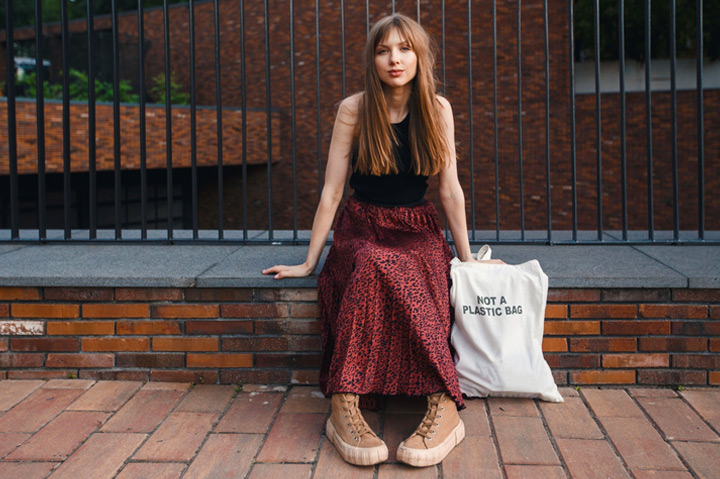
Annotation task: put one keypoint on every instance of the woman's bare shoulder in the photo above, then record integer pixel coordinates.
(349, 108)
(444, 103)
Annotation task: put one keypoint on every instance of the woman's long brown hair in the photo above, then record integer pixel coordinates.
(374, 135)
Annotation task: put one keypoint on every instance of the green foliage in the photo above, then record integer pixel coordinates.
(78, 88)
(177, 96)
(71, 375)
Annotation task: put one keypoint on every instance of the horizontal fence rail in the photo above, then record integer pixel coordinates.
(208, 121)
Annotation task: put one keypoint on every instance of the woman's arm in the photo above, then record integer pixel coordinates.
(332, 192)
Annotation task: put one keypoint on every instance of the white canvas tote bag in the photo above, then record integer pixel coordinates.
(498, 330)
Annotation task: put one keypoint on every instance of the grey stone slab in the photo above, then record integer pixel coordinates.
(595, 266)
(664, 235)
(7, 248)
(701, 264)
(109, 265)
(244, 268)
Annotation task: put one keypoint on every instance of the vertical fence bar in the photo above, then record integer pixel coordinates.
(143, 139)
(673, 121)
(598, 120)
(470, 120)
(648, 121)
(520, 123)
(67, 202)
(243, 105)
(292, 119)
(547, 120)
(92, 159)
(193, 123)
(573, 153)
(218, 110)
(700, 122)
(417, 2)
(268, 129)
(317, 89)
(623, 134)
(495, 123)
(116, 120)
(40, 108)
(11, 114)
(367, 16)
(393, 7)
(168, 119)
(444, 86)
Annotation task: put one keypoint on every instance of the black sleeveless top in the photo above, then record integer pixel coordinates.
(402, 189)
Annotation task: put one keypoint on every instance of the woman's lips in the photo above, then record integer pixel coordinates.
(395, 73)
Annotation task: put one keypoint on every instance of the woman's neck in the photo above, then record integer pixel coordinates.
(397, 100)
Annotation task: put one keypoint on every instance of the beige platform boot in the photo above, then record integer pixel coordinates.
(347, 430)
(439, 432)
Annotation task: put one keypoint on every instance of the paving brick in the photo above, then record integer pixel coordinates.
(250, 413)
(37, 409)
(676, 420)
(474, 458)
(44, 344)
(573, 295)
(15, 294)
(536, 472)
(583, 345)
(26, 470)
(218, 294)
(673, 311)
(635, 328)
(44, 310)
(184, 376)
(331, 464)
(253, 310)
(286, 294)
(672, 344)
(590, 458)
(66, 383)
(475, 418)
(304, 428)
(148, 327)
(637, 392)
(512, 407)
(306, 399)
(602, 377)
(12, 392)
(190, 311)
(635, 360)
(651, 474)
(57, 440)
(148, 294)
(397, 428)
(416, 405)
(69, 360)
(166, 386)
(219, 360)
(9, 441)
(218, 327)
(115, 344)
(523, 440)
(639, 444)
(209, 399)
(144, 411)
(603, 311)
(570, 419)
(554, 344)
(571, 328)
(80, 328)
(106, 396)
(401, 471)
(185, 344)
(286, 471)
(79, 294)
(178, 437)
(114, 448)
(225, 456)
(20, 327)
(116, 310)
(154, 470)
(671, 377)
(611, 403)
(706, 402)
(702, 457)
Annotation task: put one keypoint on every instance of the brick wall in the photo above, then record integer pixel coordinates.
(255, 335)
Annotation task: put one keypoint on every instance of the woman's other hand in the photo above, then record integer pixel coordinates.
(282, 271)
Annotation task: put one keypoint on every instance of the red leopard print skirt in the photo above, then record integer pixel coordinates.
(383, 296)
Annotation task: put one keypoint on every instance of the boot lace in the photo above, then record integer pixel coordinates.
(429, 426)
(353, 417)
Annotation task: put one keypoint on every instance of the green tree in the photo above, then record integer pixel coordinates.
(78, 88)
(177, 96)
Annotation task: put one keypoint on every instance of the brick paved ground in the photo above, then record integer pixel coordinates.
(98, 429)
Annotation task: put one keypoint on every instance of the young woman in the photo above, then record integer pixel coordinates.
(383, 291)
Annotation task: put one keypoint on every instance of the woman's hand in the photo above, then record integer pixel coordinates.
(296, 271)
(487, 261)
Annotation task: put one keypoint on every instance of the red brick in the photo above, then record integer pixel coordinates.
(149, 360)
(569, 328)
(21, 360)
(676, 420)
(715, 345)
(40, 374)
(635, 360)
(114, 449)
(305, 428)
(554, 345)
(696, 295)
(591, 458)
(570, 419)
(79, 294)
(250, 414)
(288, 360)
(184, 376)
(218, 327)
(177, 438)
(304, 310)
(218, 294)
(639, 444)
(672, 344)
(44, 344)
(144, 411)
(115, 344)
(715, 312)
(635, 328)
(286, 294)
(4, 310)
(671, 377)
(602, 377)
(603, 311)
(714, 378)
(574, 295)
(696, 361)
(106, 396)
(696, 328)
(305, 376)
(21, 327)
(191, 311)
(148, 294)
(67, 360)
(148, 327)
(21, 294)
(80, 328)
(254, 376)
(219, 360)
(304, 343)
(156, 470)
(556, 311)
(116, 310)
(673, 311)
(287, 326)
(255, 343)
(45, 310)
(228, 455)
(523, 440)
(3, 344)
(573, 361)
(635, 295)
(602, 344)
(185, 344)
(113, 375)
(253, 310)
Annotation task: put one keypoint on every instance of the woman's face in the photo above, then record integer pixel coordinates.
(395, 60)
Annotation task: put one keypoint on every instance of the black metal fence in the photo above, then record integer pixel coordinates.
(548, 160)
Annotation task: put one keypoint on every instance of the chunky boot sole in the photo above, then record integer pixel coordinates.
(430, 457)
(360, 456)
